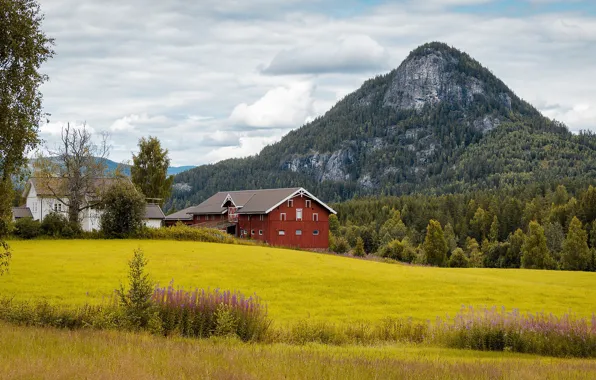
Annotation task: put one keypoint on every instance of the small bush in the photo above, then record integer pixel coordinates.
(27, 228)
(57, 225)
(459, 259)
(338, 244)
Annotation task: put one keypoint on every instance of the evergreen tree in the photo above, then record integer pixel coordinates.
(359, 249)
(494, 230)
(479, 224)
(393, 229)
(334, 224)
(150, 168)
(576, 254)
(514, 252)
(450, 238)
(587, 205)
(561, 196)
(434, 246)
(535, 254)
(554, 238)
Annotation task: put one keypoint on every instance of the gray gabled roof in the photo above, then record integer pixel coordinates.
(21, 212)
(153, 211)
(180, 215)
(251, 201)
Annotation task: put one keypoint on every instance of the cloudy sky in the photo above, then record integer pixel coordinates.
(215, 79)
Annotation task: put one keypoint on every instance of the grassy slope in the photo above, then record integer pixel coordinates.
(51, 354)
(294, 284)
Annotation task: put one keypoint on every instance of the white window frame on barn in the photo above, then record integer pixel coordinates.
(315, 232)
(260, 232)
(282, 217)
(298, 232)
(299, 214)
(290, 203)
(307, 203)
(261, 217)
(315, 217)
(281, 232)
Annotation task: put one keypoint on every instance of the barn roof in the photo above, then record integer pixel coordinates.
(154, 212)
(180, 215)
(55, 186)
(251, 201)
(21, 212)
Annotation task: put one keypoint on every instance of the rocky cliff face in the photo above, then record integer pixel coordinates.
(429, 78)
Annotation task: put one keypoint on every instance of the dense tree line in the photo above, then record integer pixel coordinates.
(536, 227)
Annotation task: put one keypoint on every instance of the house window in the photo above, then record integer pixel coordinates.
(290, 203)
(248, 217)
(245, 232)
(261, 217)
(212, 217)
(307, 203)
(57, 207)
(198, 217)
(298, 214)
(252, 232)
(315, 232)
(282, 232)
(298, 232)
(282, 216)
(315, 217)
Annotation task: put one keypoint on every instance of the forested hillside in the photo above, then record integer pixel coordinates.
(438, 123)
(535, 226)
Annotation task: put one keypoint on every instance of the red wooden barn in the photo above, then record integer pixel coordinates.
(290, 217)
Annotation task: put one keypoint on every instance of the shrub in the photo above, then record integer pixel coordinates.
(55, 224)
(27, 228)
(458, 259)
(203, 313)
(338, 244)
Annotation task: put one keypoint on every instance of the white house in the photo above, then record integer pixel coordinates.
(42, 199)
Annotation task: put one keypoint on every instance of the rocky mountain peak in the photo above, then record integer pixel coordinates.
(435, 73)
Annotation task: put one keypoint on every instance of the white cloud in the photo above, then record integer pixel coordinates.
(138, 68)
(283, 106)
(247, 146)
(353, 53)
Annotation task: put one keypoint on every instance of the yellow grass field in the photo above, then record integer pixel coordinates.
(294, 284)
(35, 353)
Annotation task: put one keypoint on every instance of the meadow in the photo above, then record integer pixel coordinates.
(31, 353)
(295, 285)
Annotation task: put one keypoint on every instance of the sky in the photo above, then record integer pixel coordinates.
(216, 79)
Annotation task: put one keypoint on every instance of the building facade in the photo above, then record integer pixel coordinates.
(290, 217)
(42, 198)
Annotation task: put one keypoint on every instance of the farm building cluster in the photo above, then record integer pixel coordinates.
(290, 217)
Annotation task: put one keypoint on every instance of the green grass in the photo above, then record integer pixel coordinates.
(294, 284)
(35, 353)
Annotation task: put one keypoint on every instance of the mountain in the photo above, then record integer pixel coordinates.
(172, 170)
(111, 166)
(440, 122)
